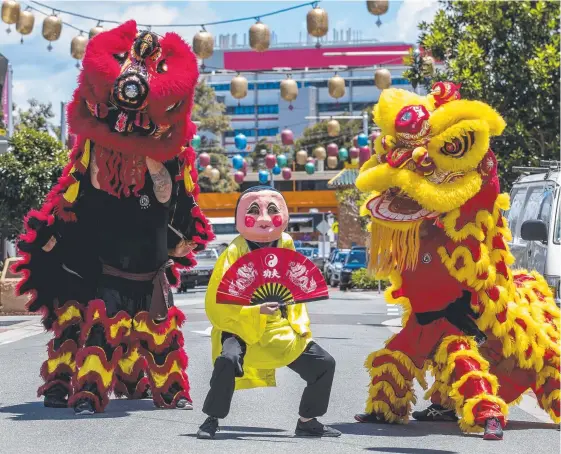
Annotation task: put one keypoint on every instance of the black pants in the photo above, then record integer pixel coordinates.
(314, 365)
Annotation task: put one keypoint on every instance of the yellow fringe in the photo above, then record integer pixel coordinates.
(389, 391)
(467, 423)
(389, 368)
(459, 398)
(546, 373)
(400, 358)
(441, 356)
(384, 409)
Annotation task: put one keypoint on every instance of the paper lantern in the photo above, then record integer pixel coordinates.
(332, 149)
(286, 173)
(336, 87)
(207, 169)
(240, 141)
(282, 160)
(214, 175)
(203, 44)
(382, 78)
(310, 168)
(320, 153)
(343, 154)
(287, 137)
(239, 176)
(378, 7)
(78, 47)
(276, 170)
(237, 162)
(52, 27)
(270, 161)
(354, 152)
(301, 157)
(362, 140)
(259, 37)
(289, 89)
(238, 87)
(196, 142)
(364, 154)
(204, 159)
(10, 13)
(263, 177)
(333, 128)
(332, 162)
(317, 22)
(94, 31)
(25, 23)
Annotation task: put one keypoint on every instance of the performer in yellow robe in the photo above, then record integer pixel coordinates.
(250, 342)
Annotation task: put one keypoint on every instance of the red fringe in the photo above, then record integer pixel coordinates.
(138, 367)
(83, 353)
(175, 377)
(60, 369)
(177, 355)
(99, 405)
(68, 346)
(121, 390)
(99, 306)
(43, 389)
(161, 328)
(57, 327)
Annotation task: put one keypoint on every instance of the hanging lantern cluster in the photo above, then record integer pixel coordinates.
(289, 90)
(203, 44)
(25, 23)
(78, 47)
(333, 128)
(52, 28)
(378, 8)
(239, 87)
(287, 137)
(240, 141)
(282, 161)
(382, 78)
(10, 13)
(286, 173)
(301, 157)
(320, 153)
(259, 37)
(317, 23)
(336, 87)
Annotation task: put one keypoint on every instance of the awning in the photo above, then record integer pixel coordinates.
(299, 220)
(344, 179)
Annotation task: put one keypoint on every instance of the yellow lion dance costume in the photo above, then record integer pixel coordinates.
(488, 333)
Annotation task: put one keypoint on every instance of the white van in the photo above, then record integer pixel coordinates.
(535, 221)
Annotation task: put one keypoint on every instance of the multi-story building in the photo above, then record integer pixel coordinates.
(262, 114)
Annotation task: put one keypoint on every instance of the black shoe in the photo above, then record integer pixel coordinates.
(146, 394)
(435, 413)
(313, 428)
(55, 400)
(208, 429)
(493, 430)
(183, 404)
(372, 418)
(84, 407)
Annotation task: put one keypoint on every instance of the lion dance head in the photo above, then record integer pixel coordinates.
(431, 158)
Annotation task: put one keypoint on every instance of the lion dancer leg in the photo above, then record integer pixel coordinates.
(442, 408)
(102, 336)
(472, 387)
(60, 366)
(162, 346)
(547, 389)
(131, 380)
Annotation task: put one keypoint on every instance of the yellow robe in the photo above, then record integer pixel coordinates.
(272, 341)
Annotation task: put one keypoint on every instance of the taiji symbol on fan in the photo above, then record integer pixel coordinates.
(271, 260)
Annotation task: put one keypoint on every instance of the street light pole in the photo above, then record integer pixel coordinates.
(63, 123)
(10, 101)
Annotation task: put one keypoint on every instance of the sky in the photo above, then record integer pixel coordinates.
(51, 76)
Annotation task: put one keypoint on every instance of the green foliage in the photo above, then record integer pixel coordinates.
(226, 182)
(505, 54)
(361, 279)
(353, 199)
(27, 173)
(36, 117)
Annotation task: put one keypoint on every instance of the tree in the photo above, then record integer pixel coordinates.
(37, 117)
(27, 173)
(505, 54)
(226, 182)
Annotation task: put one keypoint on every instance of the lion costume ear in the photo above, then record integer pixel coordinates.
(391, 101)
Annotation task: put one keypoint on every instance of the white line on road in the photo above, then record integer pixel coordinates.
(206, 332)
(20, 331)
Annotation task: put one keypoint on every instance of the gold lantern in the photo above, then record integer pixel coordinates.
(10, 13)
(336, 87)
(203, 44)
(382, 78)
(289, 89)
(96, 30)
(301, 157)
(319, 153)
(332, 162)
(333, 128)
(78, 47)
(259, 37)
(378, 7)
(238, 87)
(428, 66)
(207, 170)
(214, 175)
(52, 26)
(25, 24)
(317, 22)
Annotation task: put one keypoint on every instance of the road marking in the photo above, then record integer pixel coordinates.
(21, 331)
(206, 332)
(529, 404)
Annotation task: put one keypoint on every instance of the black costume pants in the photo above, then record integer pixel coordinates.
(314, 365)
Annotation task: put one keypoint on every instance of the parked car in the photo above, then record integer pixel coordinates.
(200, 273)
(9, 302)
(334, 267)
(332, 253)
(355, 260)
(535, 221)
(312, 254)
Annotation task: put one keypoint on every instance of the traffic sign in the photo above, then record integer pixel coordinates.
(323, 227)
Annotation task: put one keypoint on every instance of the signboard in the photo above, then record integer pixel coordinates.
(323, 227)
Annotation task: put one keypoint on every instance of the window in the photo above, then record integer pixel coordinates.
(250, 110)
(357, 256)
(515, 207)
(546, 207)
(557, 229)
(532, 205)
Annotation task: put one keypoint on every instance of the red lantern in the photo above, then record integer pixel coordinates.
(204, 159)
(332, 149)
(239, 177)
(355, 141)
(364, 155)
(286, 173)
(270, 161)
(354, 152)
(287, 137)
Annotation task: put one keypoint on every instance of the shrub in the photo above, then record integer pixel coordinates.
(362, 279)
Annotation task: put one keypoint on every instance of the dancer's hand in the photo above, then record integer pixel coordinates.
(269, 308)
(48, 247)
(183, 248)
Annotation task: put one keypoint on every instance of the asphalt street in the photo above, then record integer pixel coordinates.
(349, 326)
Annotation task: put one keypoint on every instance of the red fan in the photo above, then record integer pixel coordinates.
(272, 275)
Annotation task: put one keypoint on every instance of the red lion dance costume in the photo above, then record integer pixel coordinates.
(487, 332)
(96, 256)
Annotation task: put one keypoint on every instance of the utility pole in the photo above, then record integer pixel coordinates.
(63, 123)
(10, 101)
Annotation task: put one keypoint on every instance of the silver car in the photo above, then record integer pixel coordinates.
(333, 271)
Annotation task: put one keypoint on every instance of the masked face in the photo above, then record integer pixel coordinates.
(262, 216)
